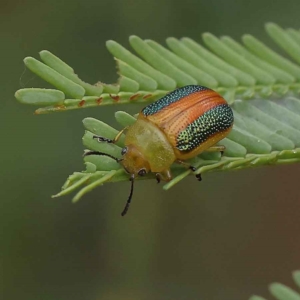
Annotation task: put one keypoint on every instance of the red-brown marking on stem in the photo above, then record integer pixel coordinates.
(116, 97)
(81, 103)
(99, 100)
(133, 97)
(147, 96)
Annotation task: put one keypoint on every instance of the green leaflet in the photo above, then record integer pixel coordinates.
(282, 292)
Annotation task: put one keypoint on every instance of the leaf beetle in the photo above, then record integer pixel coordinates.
(175, 128)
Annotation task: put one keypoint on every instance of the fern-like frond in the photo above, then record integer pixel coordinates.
(238, 71)
(261, 86)
(263, 134)
(282, 292)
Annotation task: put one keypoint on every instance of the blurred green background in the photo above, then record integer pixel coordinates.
(224, 238)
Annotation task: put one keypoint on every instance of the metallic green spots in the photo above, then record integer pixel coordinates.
(213, 121)
(172, 97)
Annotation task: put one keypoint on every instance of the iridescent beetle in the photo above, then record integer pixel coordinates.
(179, 126)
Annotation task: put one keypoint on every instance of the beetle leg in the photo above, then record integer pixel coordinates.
(165, 176)
(198, 176)
(189, 166)
(103, 139)
(158, 177)
(216, 148)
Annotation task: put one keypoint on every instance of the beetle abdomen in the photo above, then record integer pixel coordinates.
(215, 121)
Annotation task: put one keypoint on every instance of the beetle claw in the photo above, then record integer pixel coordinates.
(193, 168)
(198, 176)
(157, 176)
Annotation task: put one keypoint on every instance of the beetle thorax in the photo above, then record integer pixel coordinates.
(151, 142)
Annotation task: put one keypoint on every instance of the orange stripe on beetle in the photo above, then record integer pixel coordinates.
(195, 104)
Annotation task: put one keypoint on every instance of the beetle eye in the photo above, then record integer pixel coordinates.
(142, 172)
(124, 150)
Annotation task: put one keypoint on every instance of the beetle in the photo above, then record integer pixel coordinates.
(175, 128)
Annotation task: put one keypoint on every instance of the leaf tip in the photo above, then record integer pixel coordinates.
(75, 199)
(28, 60)
(133, 37)
(171, 39)
(271, 25)
(17, 95)
(207, 36)
(43, 52)
(110, 43)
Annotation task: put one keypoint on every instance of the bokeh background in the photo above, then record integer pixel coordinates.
(227, 237)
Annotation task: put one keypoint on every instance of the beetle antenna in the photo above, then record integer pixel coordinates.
(129, 198)
(87, 153)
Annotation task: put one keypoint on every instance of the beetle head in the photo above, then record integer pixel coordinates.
(134, 161)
